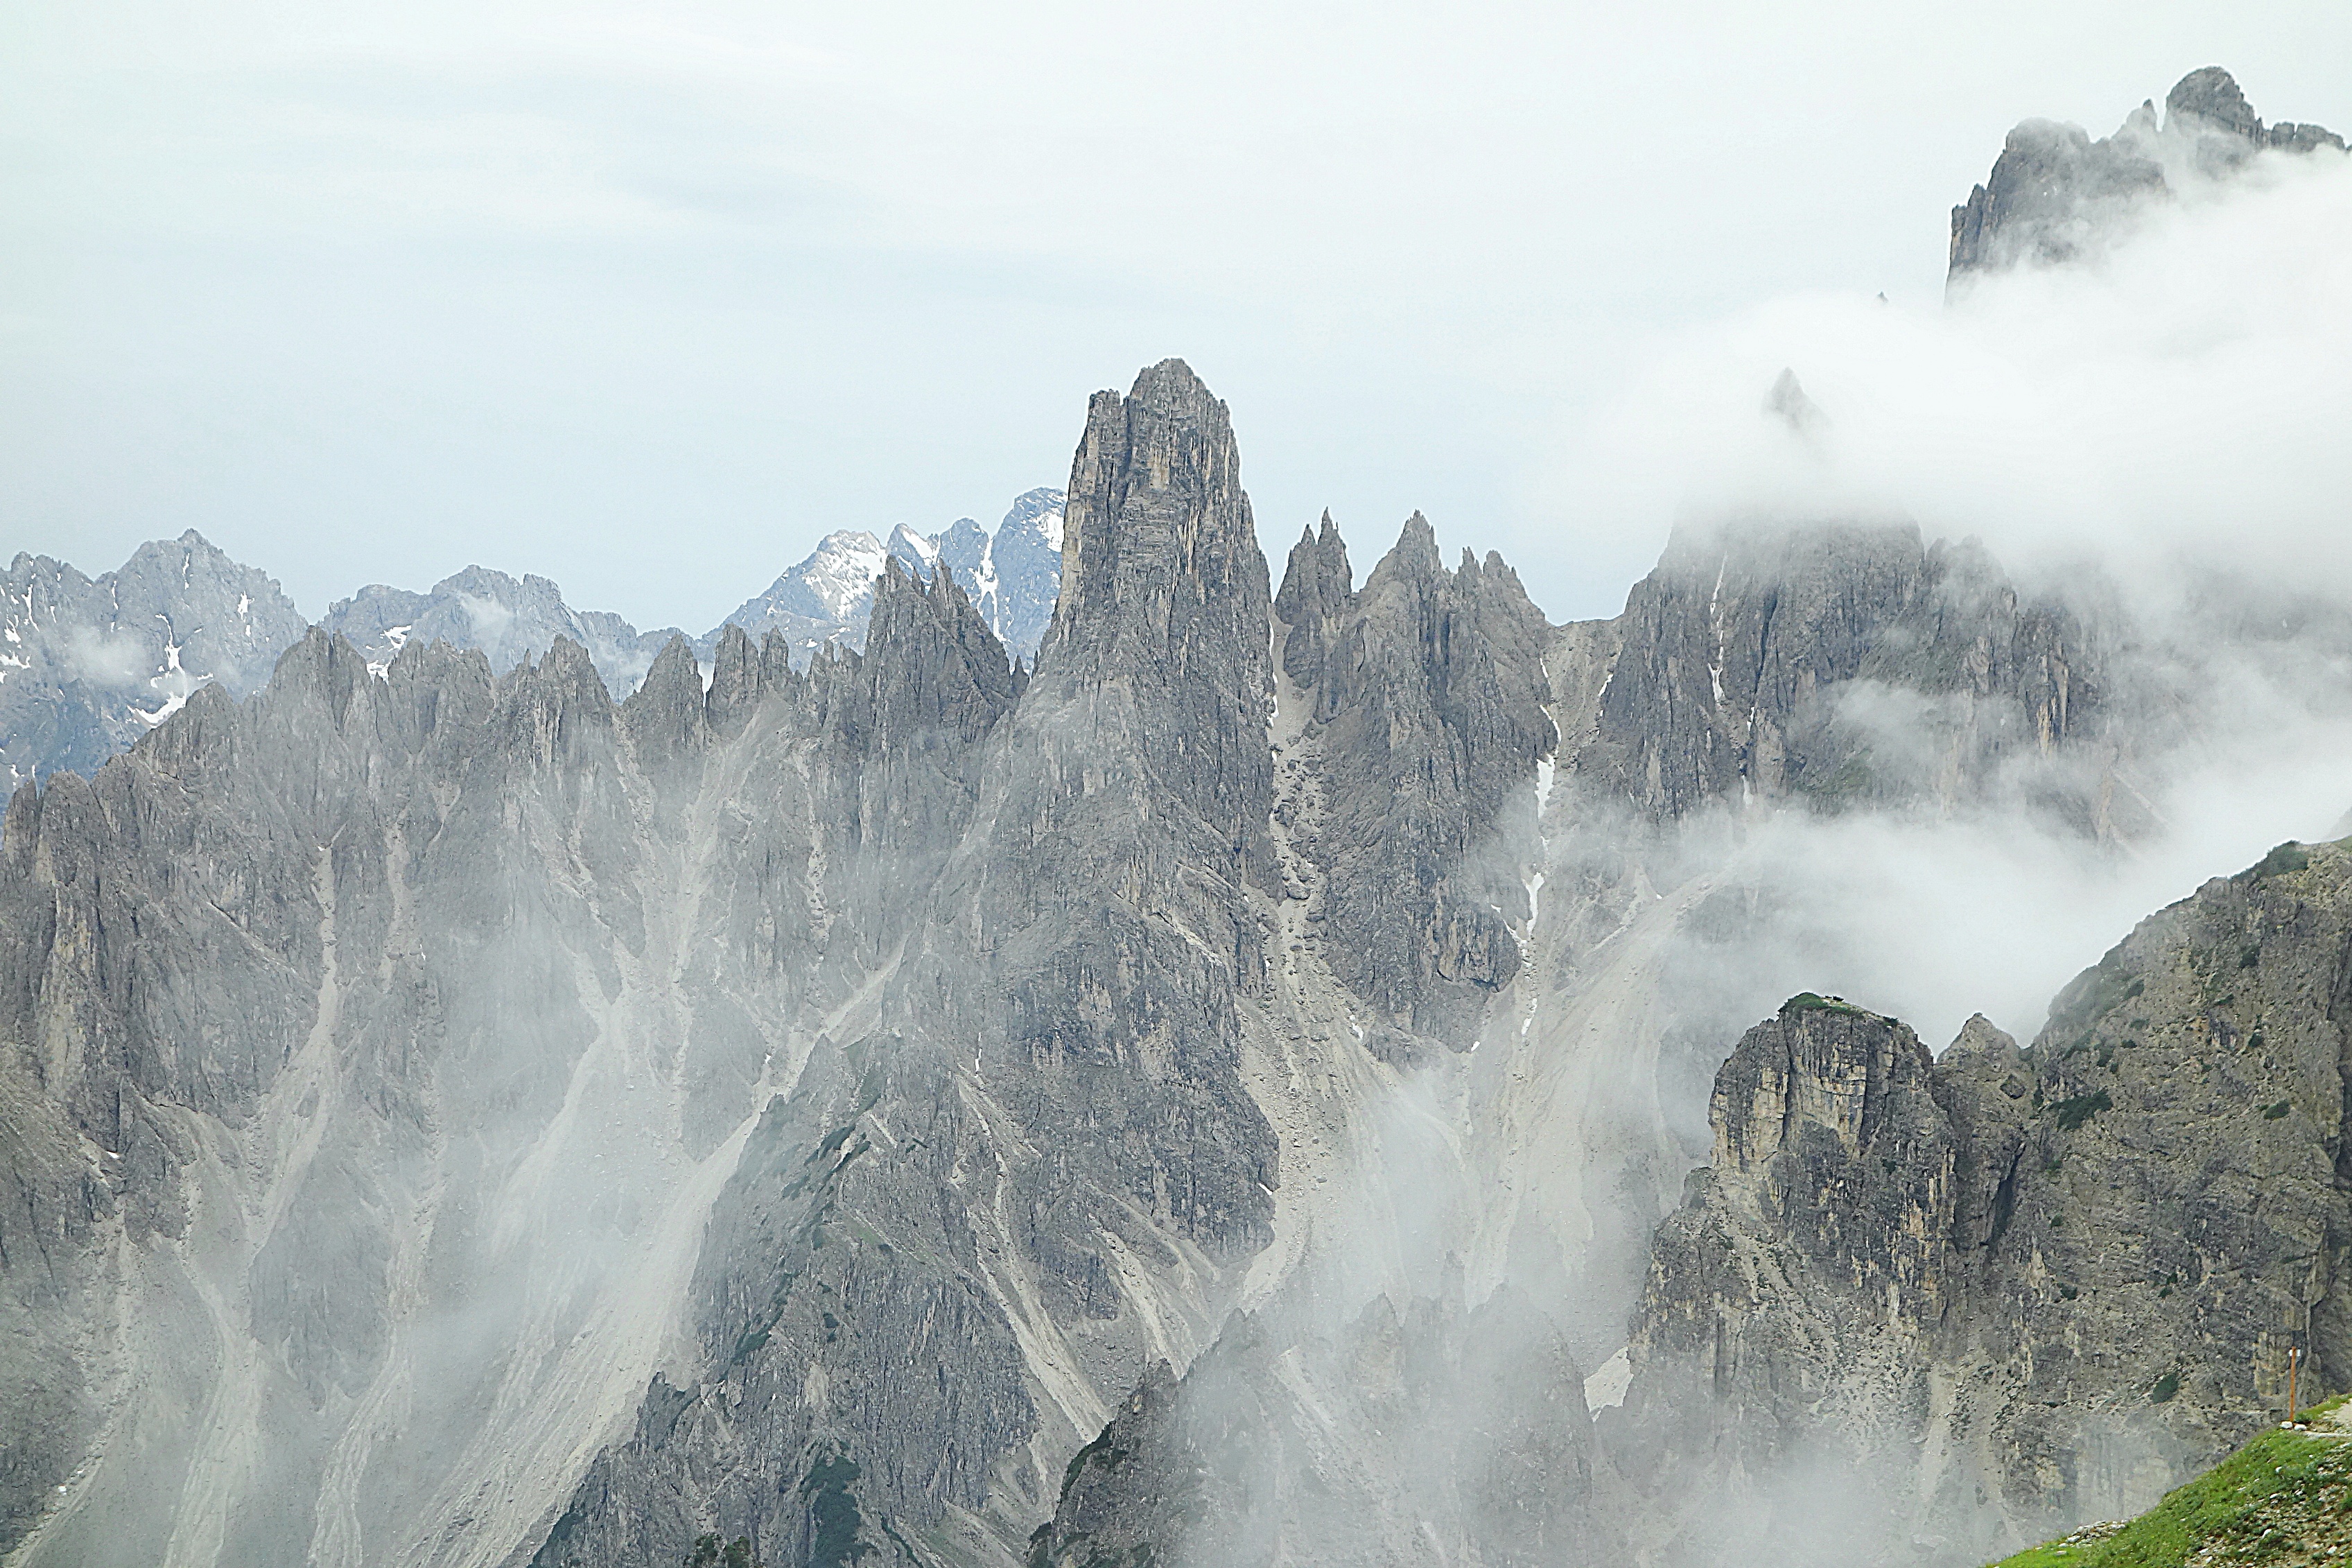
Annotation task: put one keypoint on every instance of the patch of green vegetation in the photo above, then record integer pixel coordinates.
(2273, 1112)
(832, 1511)
(1853, 777)
(2285, 859)
(1814, 1002)
(708, 1553)
(2075, 1109)
(2286, 1497)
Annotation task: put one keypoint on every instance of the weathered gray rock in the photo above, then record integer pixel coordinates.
(2004, 1293)
(2055, 196)
(449, 1115)
(383, 1041)
(1841, 665)
(1426, 701)
(1780, 1337)
(1034, 1149)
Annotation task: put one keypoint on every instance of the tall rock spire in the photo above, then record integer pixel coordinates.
(1162, 564)
(1164, 593)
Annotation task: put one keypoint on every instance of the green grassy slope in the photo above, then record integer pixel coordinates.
(2283, 1498)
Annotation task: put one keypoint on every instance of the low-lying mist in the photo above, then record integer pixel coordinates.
(2157, 434)
(2177, 399)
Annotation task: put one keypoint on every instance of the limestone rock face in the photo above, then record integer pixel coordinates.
(2016, 1290)
(2054, 194)
(1790, 1300)
(1837, 665)
(1425, 717)
(452, 1115)
(375, 1053)
(1031, 1160)
(1164, 596)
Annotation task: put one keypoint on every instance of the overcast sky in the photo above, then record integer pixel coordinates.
(647, 298)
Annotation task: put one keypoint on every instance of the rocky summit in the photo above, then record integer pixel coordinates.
(2054, 195)
(1054, 1047)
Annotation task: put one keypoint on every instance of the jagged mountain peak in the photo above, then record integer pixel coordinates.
(2211, 94)
(88, 665)
(1010, 576)
(1415, 549)
(1170, 386)
(1160, 556)
(2054, 194)
(511, 619)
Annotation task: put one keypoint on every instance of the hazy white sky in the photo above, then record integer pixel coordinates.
(646, 298)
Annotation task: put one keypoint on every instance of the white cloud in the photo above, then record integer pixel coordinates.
(2182, 399)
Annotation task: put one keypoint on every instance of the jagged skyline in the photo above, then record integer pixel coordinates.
(1275, 1079)
(391, 292)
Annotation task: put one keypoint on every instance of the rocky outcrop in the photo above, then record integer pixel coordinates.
(1425, 720)
(1836, 666)
(1781, 1339)
(2016, 1290)
(452, 1116)
(2054, 194)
